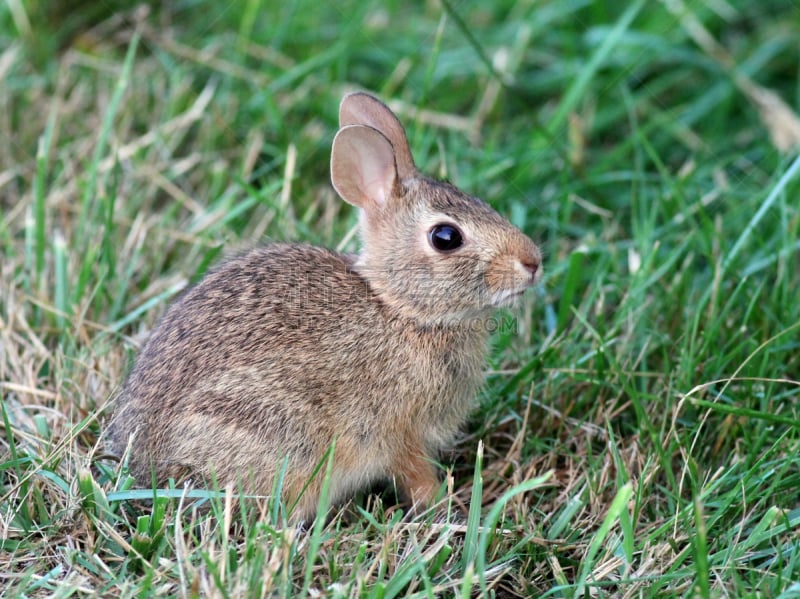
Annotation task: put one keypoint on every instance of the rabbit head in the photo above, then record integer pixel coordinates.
(430, 251)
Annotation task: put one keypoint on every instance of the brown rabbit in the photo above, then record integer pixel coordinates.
(285, 349)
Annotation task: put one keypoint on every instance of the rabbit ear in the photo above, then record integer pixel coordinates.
(363, 167)
(363, 109)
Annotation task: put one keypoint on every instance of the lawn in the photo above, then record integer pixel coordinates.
(638, 434)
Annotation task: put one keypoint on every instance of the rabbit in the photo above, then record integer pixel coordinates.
(287, 350)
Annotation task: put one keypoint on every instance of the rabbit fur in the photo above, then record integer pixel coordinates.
(284, 349)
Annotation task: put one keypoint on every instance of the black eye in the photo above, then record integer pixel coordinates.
(445, 238)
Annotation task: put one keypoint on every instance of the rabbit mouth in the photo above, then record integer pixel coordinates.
(506, 297)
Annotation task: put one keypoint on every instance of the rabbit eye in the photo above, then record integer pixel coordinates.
(445, 238)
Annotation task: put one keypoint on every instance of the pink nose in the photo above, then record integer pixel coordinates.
(531, 267)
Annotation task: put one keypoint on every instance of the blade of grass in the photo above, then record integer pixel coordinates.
(117, 325)
(40, 195)
(618, 505)
(746, 412)
(698, 536)
(774, 194)
(90, 186)
(315, 539)
(493, 517)
(62, 305)
(580, 84)
(572, 279)
(474, 516)
(22, 515)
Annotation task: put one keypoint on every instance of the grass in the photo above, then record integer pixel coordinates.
(639, 431)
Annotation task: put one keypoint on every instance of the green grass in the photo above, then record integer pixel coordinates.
(639, 431)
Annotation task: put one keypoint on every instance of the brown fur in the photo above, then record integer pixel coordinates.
(286, 348)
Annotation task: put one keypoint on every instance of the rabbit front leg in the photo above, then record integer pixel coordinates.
(416, 480)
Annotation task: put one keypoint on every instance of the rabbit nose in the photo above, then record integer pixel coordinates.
(530, 266)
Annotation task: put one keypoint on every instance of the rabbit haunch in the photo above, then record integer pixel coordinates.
(284, 349)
